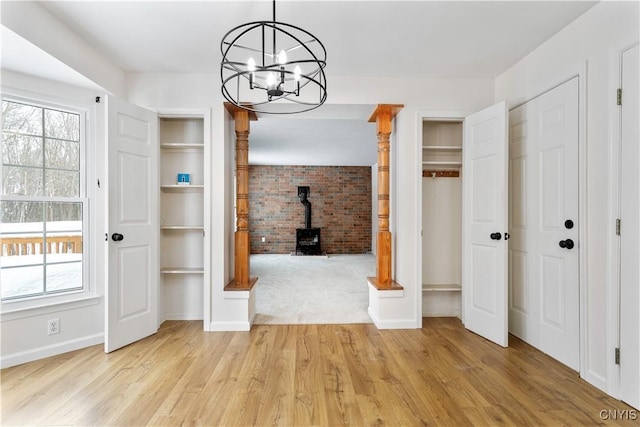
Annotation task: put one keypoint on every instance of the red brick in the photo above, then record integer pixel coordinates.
(341, 206)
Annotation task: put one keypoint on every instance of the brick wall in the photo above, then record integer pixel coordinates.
(340, 201)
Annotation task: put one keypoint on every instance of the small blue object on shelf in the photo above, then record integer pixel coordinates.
(184, 179)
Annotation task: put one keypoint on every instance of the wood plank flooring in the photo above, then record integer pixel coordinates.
(304, 375)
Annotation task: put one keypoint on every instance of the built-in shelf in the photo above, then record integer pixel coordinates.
(442, 148)
(185, 140)
(442, 163)
(181, 270)
(175, 188)
(179, 146)
(441, 288)
(182, 227)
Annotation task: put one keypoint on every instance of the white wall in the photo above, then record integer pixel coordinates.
(24, 333)
(590, 40)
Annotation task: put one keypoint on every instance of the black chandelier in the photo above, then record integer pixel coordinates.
(273, 67)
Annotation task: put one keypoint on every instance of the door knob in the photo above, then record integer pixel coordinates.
(566, 244)
(495, 236)
(116, 237)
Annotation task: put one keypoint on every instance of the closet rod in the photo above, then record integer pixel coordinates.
(440, 174)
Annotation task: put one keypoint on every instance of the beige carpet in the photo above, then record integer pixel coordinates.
(312, 290)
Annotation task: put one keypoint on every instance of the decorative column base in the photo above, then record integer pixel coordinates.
(242, 281)
(235, 286)
(383, 280)
(383, 261)
(389, 285)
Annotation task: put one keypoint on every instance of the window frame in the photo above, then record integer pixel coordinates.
(88, 290)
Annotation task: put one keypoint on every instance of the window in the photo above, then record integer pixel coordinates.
(43, 208)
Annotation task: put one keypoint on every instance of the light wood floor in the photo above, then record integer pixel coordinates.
(304, 375)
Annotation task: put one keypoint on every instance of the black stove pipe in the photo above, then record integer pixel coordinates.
(303, 194)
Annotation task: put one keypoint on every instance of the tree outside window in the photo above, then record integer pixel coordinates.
(42, 209)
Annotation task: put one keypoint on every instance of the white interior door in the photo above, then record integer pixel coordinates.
(522, 246)
(557, 227)
(132, 290)
(630, 231)
(484, 204)
(543, 250)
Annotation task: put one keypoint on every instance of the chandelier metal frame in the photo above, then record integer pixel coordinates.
(274, 73)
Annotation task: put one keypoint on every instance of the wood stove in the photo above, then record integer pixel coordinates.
(308, 238)
(308, 241)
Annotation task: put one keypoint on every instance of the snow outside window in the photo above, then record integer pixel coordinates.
(43, 207)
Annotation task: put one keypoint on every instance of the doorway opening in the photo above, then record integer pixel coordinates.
(329, 154)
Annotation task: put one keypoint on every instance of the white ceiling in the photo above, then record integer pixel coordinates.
(452, 39)
(418, 38)
(316, 138)
(21, 56)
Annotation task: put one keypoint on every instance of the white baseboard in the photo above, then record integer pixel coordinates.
(442, 314)
(50, 350)
(229, 326)
(392, 323)
(183, 316)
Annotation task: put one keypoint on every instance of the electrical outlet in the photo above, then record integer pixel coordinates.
(264, 239)
(53, 326)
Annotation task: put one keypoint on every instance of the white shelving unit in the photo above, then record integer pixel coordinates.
(442, 288)
(441, 218)
(441, 156)
(175, 188)
(184, 215)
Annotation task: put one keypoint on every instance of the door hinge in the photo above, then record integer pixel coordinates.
(618, 227)
(617, 356)
(619, 96)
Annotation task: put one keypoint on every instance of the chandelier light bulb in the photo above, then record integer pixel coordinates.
(296, 73)
(271, 80)
(251, 64)
(282, 57)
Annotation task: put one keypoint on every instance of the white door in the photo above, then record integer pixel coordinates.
(543, 250)
(630, 231)
(557, 283)
(132, 290)
(484, 207)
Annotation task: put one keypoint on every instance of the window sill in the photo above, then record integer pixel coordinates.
(42, 307)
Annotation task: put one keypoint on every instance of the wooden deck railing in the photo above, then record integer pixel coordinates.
(16, 246)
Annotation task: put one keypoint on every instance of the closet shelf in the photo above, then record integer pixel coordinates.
(175, 188)
(182, 227)
(442, 163)
(180, 146)
(182, 270)
(442, 147)
(441, 288)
